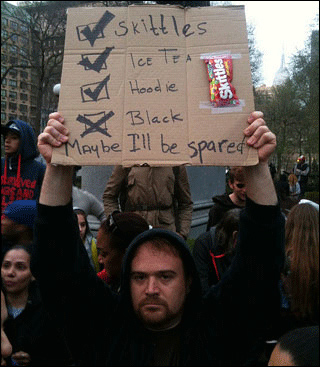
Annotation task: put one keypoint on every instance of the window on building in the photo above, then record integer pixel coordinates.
(3, 93)
(13, 48)
(13, 73)
(13, 60)
(3, 116)
(23, 52)
(14, 37)
(12, 83)
(23, 28)
(3, 105)
(24, 41)
(12, 106)
(4, 21)
(12, 94)
(23, 108)
(13, 25)
(24, 74)
(24, 63)
(23, 85)
(23, 97)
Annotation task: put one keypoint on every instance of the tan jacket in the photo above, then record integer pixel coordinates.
(160, 194)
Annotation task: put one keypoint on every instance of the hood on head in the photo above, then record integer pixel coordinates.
(28, 147)
(22, 212)
(177, 241)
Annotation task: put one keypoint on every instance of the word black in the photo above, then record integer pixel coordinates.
(137, 119)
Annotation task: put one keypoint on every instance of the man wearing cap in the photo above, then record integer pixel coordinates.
(159, 317)
(21, 174)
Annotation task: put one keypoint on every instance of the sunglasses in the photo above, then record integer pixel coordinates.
(240, 186)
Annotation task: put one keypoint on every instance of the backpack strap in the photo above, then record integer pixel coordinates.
(213, 256)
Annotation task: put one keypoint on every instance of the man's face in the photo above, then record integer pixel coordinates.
(11, 143)
(239, 189)
(158, 287)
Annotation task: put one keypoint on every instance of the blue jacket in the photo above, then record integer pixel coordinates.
(21, 175)
(221, 329)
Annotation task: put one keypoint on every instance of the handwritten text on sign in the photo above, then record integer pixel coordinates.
(133, 87)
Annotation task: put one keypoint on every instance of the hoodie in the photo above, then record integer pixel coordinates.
(222, 203)
(225, 327)
(21, 174)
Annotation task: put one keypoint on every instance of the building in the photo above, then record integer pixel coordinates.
(18, 90)
(282, 74)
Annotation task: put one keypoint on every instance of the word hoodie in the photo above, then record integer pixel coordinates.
(21, 174)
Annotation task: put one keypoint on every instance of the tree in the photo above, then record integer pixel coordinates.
(255, 57)
(46, 24)
(305, 76)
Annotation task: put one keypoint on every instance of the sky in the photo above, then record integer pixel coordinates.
(280, 26)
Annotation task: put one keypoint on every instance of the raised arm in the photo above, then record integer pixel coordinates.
(57, 183)
(260, 187)
(69, 286)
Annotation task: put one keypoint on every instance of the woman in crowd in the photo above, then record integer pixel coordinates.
(294, 186)
(87, 238)
(301, 274)
(114, 236)
(34, 339)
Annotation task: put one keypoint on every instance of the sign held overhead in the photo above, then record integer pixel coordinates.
(135, 87)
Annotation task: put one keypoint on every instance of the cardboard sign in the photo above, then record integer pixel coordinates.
(135, 90)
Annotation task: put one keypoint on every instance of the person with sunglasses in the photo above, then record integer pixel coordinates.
(235, 200)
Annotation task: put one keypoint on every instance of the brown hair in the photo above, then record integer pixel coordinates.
(123, 228)
(302, 251)
(293, 179)
(236, 173)
(225, 228)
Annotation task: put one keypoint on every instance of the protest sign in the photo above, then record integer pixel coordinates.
(135, 87)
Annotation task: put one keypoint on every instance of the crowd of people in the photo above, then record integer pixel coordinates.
(247, 293)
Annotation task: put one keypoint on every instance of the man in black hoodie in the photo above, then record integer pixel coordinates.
(226, 202)
(21, 174)
(159, 317)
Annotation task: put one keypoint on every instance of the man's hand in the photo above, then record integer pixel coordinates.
(57, 183)
(54, 135)
(260, 137)
(259, 182)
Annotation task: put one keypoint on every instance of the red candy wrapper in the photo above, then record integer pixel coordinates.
(220, 74)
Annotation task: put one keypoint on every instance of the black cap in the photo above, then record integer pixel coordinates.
(11, 126)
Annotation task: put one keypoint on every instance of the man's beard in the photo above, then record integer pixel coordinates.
(155, 314)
